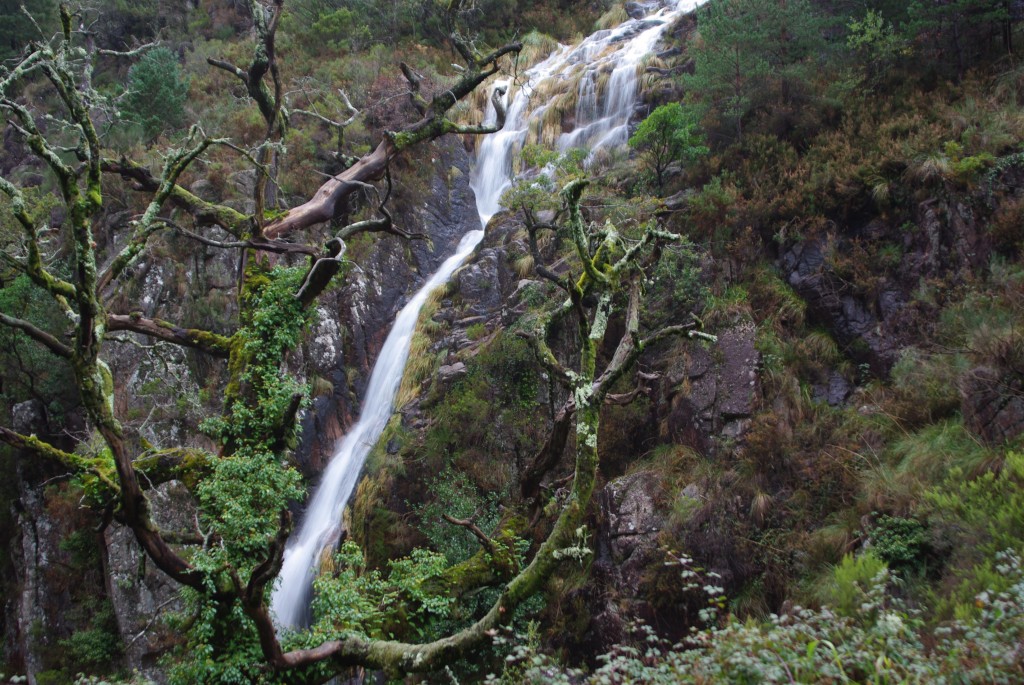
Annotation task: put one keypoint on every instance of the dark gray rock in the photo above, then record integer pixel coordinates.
(993, 403)
(850, 318)
(632, 516)
(29, 417)
(636, 10)
(838, 389)
(479, 282)
(142, 595)
(714, 393)
(738, 372)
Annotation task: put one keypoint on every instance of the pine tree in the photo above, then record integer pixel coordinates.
(748, 49)
(157, 91)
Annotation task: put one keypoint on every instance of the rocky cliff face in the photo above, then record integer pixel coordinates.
(712, 404)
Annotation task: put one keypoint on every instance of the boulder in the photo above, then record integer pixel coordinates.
(450, 372)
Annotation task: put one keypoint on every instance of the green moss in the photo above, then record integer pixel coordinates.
(95, 198)
(402, 140)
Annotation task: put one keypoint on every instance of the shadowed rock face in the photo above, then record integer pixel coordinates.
(850, 318)
(632, 515)
(993, 403)
(141, 593)
(713, 396)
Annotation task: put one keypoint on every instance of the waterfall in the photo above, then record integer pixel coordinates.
(598, 125)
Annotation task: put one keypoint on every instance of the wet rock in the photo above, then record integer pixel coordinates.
(637, 10)
(479, 283)
(321, 426)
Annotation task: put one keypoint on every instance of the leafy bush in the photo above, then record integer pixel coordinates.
(852, 580)
(971, 520)
(455, 495)
(900, 542)
(363, 600)
(669, 135)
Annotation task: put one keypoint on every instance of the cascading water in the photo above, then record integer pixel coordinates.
(599, 125)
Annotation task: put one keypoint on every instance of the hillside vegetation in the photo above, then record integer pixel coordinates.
(825, 483)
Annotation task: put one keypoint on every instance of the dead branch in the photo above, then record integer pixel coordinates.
(469, 525)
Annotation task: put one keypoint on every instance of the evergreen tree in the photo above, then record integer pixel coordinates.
(747, 49)
(16, 27)
(958, 31)
(157, 91)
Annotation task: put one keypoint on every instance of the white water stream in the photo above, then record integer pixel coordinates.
(600, 124)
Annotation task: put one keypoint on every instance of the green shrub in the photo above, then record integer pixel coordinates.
(851, 581)
(669, 135)
(455, 495)
(900, 542)
(971, 520)
(157, 92)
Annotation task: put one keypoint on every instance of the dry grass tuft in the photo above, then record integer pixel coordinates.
(612, 18)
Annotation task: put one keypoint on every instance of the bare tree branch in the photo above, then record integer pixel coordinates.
(205, 341)
(75, 462)
(228, 67)
(51, 343)
(469, 525)
(372, 167)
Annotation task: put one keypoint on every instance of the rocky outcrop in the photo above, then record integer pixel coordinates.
(857, 323)
(860, 282)
(714, 394)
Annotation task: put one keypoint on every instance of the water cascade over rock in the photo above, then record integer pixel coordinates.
(601, 78)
